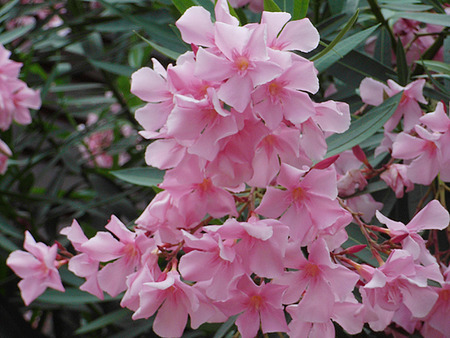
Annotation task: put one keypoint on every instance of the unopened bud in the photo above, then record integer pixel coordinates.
(359, 154)
(326, 162)
(355, 248)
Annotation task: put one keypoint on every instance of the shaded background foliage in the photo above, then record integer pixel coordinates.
(82, 65)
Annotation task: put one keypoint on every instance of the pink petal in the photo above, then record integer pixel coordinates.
(149, 85)
(171, 318)
(371, 91)
(298, 35)
(433, 216)
(30, 289)
(211, 67)
(196, 27)
(236, 92)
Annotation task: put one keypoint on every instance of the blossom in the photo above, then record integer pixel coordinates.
(258, 305)
(126, 252)
(82, 264)
(400, 286)
(372, 92)
(396, 177)
(432, 216)
(37, 268)
(305, 192)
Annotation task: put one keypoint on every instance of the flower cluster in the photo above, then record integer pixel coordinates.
(96, 146)
(15, 100)
(252, 217)
(421, 140)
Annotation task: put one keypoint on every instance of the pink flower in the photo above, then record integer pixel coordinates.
(396, 177)
(82, 264)
(172, 298)
(8, 68)
(261, 244)
(305, 193)
(243, 63)
(37, 268)
(126, 252)
(258, 305)
(425, 152)
(372, 92)
(399, 288)
(436, 323)
(283, 34)
(281, 97)
(224, 266)
(432, 216)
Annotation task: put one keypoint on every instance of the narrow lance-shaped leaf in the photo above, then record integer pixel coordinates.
(436, 66)
(103, 321)
(165, 51)
(342, 48)
(338, 38)
(300, 9)
(383, 50)
(7, 8)
(431, 18)
(147, 177)
(363, 128)
(271, 6)
(183, 5)
(402, 66)
(15, 34)
(71, 296)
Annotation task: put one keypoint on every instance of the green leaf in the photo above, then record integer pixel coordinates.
(431, 18)
(8, 229)
(165, 51)
(113, 68)
(300, 9)
(345, 69)
(363, 128)
(139, 327)
(407, 7)
(72, 296)
(338, 38)
(271, 6)
(6, 244)
(7, 8)
(343, 48)
(402, 66)
(183, 5)
(436, 5)
(336, 6)
(383, 49)
(147, 177)
(225, 327)
(15, 34)
(436, 66)
(103, 321)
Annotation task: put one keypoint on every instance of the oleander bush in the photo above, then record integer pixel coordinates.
(263, 167)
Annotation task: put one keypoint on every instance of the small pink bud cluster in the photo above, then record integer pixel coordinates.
(96, 146)
(15, 101)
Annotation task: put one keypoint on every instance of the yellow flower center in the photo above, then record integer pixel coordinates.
(256, 301)
(311, 270)
(242, 63)
(298, 194)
